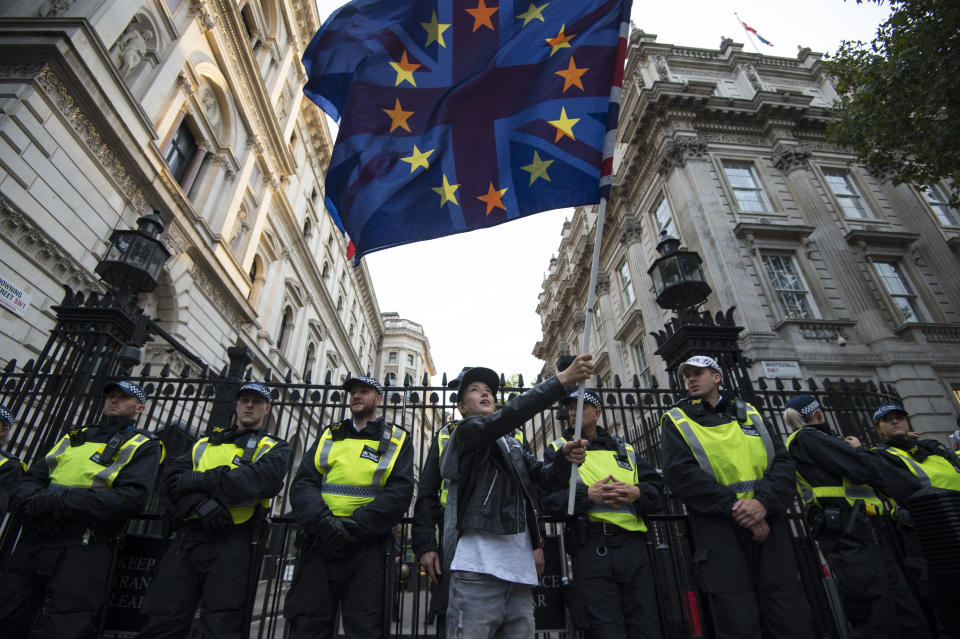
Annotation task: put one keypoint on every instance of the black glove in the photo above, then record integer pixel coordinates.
(351, 528)
(214, 517)
(185, 506)
(195, 481)
(331, 536)
(43, 504)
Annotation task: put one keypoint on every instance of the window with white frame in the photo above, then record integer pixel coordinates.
(743, 179)
(409, 360)
(643, 364)
(848, 195)
(663, 218)
(392, 357)
(597, 324)
(788, 284)
(626, 284)
(900, 291)
(939, 200)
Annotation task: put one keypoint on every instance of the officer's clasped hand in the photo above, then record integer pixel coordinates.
(213, 516)
(45, 503)
(194, 481)
(352, 529)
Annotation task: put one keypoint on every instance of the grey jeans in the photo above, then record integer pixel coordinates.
(485, 607)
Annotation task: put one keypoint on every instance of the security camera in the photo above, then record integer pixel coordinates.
(841, 341)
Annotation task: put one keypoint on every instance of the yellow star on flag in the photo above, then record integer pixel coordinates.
(571, 75)
(532, 13)
(435, 31)
(418, 158)
(398, 117)
(564, 125)
(493, 199)
(405, 70)
(481, 16)
(537, 169)
(447, 191)
(560, 41)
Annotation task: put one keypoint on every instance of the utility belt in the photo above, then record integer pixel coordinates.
(256, 525)
(77, 533)
(604, 533)
(835, 521)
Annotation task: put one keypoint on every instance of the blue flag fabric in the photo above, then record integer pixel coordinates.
(457, 115)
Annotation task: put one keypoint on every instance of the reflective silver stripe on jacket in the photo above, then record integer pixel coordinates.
(917, 469)
(198, 451)
(680, 420)
(743, 486)
(345, 490)
(323, 458)
(123, 457)
(58, 450)
(396, 436)
(764, 437)
(859, 492)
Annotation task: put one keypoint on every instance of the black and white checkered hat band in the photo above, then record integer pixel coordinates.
(809, 408)
(369, 381)
(6, 415)
(128, 388)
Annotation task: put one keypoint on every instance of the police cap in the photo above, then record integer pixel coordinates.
(127, 388)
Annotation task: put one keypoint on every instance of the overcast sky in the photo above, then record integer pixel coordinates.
(476, 294)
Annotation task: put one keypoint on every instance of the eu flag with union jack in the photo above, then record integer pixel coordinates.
(457, 115)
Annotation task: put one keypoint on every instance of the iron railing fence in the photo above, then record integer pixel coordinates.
(180, 407)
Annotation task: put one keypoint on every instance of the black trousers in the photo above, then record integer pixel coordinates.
(212, 572)
(354, 585)
(753, 588)
(63, 577)
(877, 601)
(614, 581)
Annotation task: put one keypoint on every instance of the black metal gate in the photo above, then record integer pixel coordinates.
(181, 405)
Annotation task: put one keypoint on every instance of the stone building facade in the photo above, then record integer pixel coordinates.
(834, 272)
(192, 107)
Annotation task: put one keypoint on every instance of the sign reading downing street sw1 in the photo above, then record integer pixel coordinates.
(13, 298)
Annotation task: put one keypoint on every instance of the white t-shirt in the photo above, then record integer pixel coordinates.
(507, 557)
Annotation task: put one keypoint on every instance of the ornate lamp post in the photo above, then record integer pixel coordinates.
(133, 261)
(677, 277)
(680, 286)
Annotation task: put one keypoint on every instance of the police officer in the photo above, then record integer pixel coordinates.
(352, 488)
(220, 493)
(927, 459)
(611, 566)
(11, 468)
(836, 484)
(722, 462)
(428, 519)
(75, 502)
(935, 468)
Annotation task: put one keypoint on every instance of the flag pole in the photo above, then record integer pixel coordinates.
(606, 181)
(591, 293)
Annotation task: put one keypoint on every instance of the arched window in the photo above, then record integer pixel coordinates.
(310, 361)
(307, 228)
(286, 327)
(181, 152)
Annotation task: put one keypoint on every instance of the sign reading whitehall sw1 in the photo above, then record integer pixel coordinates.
(784, 369)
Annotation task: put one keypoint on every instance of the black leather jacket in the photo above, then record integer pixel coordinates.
(499, 480)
